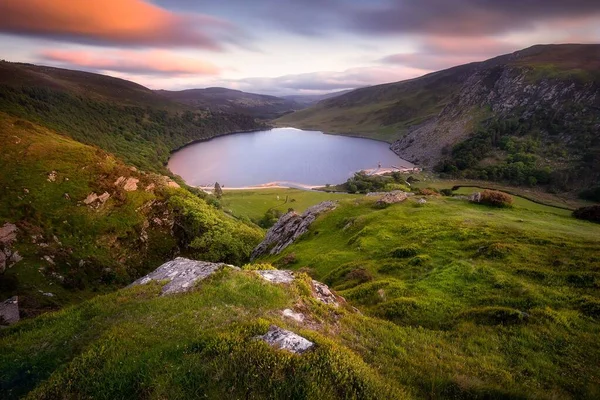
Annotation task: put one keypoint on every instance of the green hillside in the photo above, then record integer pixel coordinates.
(121, 117)
(73, 250)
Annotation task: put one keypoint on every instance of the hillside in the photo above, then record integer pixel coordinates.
(121, 117)
(310, 99)
(87, 223)
(447, 306)
(233, 101)
(531, 117)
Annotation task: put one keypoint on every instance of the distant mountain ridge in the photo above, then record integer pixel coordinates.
(528, 117)
(233, 101)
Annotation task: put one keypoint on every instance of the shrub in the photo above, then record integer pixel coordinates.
(428, 192)
(592, 194)
(399, 310)
(420, 260)
(287, 259)
(591, 213)
(405, 252)
(257, 267)
(446, 192)
(359, 274)
(494, 198)
(495, 316)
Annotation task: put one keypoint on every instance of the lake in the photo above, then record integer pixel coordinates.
(287, 155)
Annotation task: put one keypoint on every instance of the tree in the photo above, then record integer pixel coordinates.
(218, 191)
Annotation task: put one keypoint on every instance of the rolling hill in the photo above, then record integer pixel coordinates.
(233, 101)
(530, 117)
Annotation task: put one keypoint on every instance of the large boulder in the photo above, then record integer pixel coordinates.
(8, 256)
(396, 196)
(289, 228)
(181, 274)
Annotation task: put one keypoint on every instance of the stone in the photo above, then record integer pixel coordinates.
(475, 197)
(131, 184)
(288, 313)
(8, 256)
(150, 187)
(396, 196)
(52, 176)
(181, 274)
(173, 184)
(9, 311)
(421, 201)
(286, 340)
(277, 275)
(289, 228)
(322, 293)
(94, 200)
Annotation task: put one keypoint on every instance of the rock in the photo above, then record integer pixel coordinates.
(182, 274)
(47, 294)
(93, 200)
(289, 228)
(150, 187)
(9, 311)
(67, 196)
(421, 201)
(277, 275)
(128, 184)
(52, 176)
(288, 313)
(286, 340)
(396, 196)
(322, 293)
(173, 184)
(8, 256)
(475, 197)
(49, 259)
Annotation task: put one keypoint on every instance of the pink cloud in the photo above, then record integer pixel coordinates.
(143, 63)
(111, 22)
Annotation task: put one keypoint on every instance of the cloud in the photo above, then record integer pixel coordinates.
(440, 52)
(466, 17)
(113, 22)
(135, 62)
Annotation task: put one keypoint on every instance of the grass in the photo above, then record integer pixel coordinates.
(254, 203)
(499, 300)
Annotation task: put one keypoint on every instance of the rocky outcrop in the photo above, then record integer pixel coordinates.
(95, 201)
(396, 196)
(181, 274)
(128, 184)
(289, 228)
(8, 256)
(9, 311)
(285, 340)
(277, 276)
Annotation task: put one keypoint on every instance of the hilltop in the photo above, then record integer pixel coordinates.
(530, 117)
(233, 101)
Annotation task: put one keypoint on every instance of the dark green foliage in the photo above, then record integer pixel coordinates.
(218, 192)
(494, 316)
(592, 194)
(591, 213)
(400, 310)
(590, 306)
(446, 192)
(363, 183)
(270, 218)
(405, 252)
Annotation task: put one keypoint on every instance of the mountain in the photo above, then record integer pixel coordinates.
(310, 99)
(233, 101)
(530, 117)
(121, 117)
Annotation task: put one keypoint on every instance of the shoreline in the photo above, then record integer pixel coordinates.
(302, 186)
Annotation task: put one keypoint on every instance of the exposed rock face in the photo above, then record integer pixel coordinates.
(289, 228)
(291, 314)
(396, 196)
(277, 276)
(322, 293)
(286, 340)
(128, 184)
(182, 274)
(8, 256)
(9, 311)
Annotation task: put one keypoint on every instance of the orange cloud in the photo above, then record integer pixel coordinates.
(121, 22)
(143, 63)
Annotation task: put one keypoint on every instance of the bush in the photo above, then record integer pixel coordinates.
(592, 194)
(495, 316)
(428, 192)
(493, 198)
(446, 192)
(591, 213)
(258, 267)
(405, 252)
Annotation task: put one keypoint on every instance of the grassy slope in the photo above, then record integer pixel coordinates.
(384, 111)
(254, 203)
(507, 298)
(108, 240)
(135, 344)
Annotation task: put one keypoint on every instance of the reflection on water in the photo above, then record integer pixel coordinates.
(282, 154)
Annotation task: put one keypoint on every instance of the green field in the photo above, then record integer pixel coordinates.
(254, 203)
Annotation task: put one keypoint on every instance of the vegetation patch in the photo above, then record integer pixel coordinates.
(494, 316)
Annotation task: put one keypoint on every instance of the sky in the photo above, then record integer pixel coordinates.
(282, 47)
